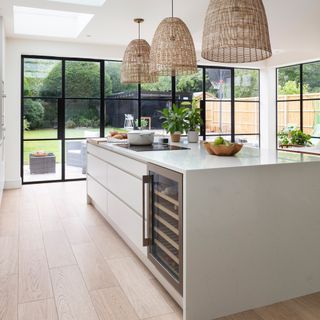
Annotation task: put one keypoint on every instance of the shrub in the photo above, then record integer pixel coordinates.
(26, 124)
(70, 124)
(34, 114)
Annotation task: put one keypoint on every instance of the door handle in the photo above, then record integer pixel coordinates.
(146, 240)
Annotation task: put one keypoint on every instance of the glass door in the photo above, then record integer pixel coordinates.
(61, 107)
(41, 105)
(165, 248)
(82, 113)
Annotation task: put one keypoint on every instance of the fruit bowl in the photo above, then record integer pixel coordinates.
(223, 150)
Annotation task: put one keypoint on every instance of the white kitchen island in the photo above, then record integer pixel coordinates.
(251, 223)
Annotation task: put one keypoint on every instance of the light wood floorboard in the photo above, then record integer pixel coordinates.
(71, 295)
(95, 270)
(8, 297)
(58, 251)
(75, 231)
(143, 295)
(38, 310)
(112, 304)
(8, 255)
(34, 278)
(109, 244)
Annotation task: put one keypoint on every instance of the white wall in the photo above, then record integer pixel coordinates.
(2, 103)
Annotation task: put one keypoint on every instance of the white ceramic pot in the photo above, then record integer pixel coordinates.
(141, 137)
(193, 137)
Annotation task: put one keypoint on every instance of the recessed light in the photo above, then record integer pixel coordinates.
(52, 23)
(96, 3)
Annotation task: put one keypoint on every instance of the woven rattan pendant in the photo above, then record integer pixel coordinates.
(135, 66)
(236, 31)
(172, 49)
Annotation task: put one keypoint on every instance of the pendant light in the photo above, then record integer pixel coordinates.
(236, 31)
(135, 66)
(172, 49)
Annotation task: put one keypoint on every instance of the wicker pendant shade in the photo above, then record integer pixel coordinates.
(135, 66)
(172, 49)
(236, 31)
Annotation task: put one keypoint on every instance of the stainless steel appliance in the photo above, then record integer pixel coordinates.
(163, 223)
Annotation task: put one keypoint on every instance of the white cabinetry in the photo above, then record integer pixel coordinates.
(115, 187)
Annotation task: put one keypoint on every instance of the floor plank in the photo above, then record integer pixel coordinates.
(71, 295)
(38, 310)
(171, 316)
(9, 255)
(75, 231)
(34, 278)
(112, 304)
(8, 297)
(59, 252)
(142, 294)
(95, 270)
(9, 225)
(108, 243)
(249, 315)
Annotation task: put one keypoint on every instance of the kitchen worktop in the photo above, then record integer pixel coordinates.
(197, 157)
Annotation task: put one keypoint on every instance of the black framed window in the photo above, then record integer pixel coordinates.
(66, 100)
(298, 102)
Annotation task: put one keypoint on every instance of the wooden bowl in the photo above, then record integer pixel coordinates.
(222, 150)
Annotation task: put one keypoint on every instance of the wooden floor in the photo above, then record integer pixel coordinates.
(60, 260)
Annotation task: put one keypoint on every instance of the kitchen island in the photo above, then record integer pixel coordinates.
(221, 234)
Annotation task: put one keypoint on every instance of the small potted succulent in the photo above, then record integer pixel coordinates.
(174, 122)
(194, 121)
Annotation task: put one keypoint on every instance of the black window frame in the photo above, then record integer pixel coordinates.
(301, 100)
(103, 100)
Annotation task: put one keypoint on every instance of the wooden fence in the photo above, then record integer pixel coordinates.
(218, 116)
(289, 112)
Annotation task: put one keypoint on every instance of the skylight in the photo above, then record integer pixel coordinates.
(52, 23)
(96, 3)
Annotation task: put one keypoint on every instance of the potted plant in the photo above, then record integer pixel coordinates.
(194, 121)
(174, 121)
(292, 137)
(144, 124)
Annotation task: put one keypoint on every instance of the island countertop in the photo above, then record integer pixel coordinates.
(197, 158)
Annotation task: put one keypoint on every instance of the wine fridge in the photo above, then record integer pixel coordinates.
(162, 222)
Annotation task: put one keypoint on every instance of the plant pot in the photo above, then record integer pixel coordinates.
(193, 137)
(175, 137)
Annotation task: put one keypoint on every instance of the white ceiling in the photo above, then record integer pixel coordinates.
(294, 24)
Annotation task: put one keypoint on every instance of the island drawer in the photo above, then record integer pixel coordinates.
(124, 163)
(98, 169)
(98, 195)
(127, 220)
(126, 187)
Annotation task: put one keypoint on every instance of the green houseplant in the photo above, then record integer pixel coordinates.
(175, 121)
(294, 137)
(194, 121)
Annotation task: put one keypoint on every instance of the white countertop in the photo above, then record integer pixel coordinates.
(197, 157)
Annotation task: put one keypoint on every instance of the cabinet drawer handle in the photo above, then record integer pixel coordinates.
(146, 241)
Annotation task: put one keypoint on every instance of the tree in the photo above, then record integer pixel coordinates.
(246, 83)
(33, 113)
(113, 71)
(163, 85)
(190, 83)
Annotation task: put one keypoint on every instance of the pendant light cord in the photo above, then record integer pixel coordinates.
(172, 34)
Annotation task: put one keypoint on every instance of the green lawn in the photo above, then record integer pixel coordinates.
(55, 146)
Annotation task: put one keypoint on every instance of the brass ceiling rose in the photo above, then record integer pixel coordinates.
(236, 31)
